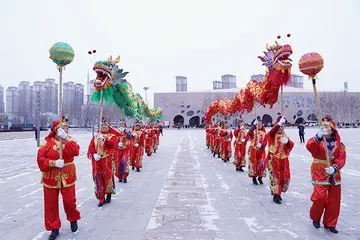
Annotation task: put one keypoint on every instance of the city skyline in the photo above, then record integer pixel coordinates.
(158, 42)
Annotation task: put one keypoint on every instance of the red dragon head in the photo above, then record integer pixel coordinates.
(277, 57)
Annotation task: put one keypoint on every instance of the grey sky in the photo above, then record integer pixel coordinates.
(158, 39)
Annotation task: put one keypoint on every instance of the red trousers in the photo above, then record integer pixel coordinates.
(122, 164)
(225, 150)
(103, 177)
(51, 208)
(256, 163)
(137, 156)
(328, 198)
(239, 155)
(279, 172)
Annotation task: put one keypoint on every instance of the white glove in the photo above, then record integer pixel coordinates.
(256, 122)
(97, 157)
(284, 140)
(243, 140)
(121, 129)
(136, 144)
(100, 136)
(228, 131)
(120, 145)
(282, 121)
(59, 163)
(229, 139)
(330, 170)
(258, 145)
(61, 133)
(134, 134)
(321, 132)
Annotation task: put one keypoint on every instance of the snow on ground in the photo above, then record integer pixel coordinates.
(182, 193)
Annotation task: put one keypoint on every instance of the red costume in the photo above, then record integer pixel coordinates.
(278, 162)
(122, 154)
(156, 138)
(240, 147)
(208, 136)
(326, 196)
(215, 144)
(58, 178)
(225, 136)
(256, 153)
(149, 140)
(102, 169)
(137, 148)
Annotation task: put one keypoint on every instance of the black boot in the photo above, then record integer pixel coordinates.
(125, 180)
(276, 200)
(133, 167)
(331, 229)
(280, 198)
(214, 154)
(74, 226)
(240, 169)
(154, 151)
(219, 155)
(54, 234)
(101, 203)
(138, 169)
(316, 224)
(260, 180)
(108, 198)
(120, 180)
(237, 169)
(254, 181)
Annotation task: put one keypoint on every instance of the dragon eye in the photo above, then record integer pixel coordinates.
(275, 50)
(109, 66)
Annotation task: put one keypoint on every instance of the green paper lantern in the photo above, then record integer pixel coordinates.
(62, 54)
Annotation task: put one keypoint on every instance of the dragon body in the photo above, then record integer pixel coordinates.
(278, 68)
(111, 85)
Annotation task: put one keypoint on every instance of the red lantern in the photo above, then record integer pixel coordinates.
(311, 64)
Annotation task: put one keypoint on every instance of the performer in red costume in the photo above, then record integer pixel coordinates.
(137, 149)
(122, 153)
(58, 175)
(149, 140)
(280, 147)
(240, 146)
(226, 136)
(256, 151)
(208, 136)
(326, 180)
(215, 139)
(101, 151)
(156, 137)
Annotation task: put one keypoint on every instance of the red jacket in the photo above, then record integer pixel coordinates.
(48, 153)
(337, 156)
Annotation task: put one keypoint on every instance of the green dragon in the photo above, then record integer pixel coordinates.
(111, 84)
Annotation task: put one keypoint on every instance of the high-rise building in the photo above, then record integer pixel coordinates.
(73, 100)
(38, 97)
(91, 87)
(217, 85)
(51, 96)
(228, 81)
(24, 90)
(12, 100)
(2, 105)
(181, 84)
(296, 81)
(345, 86)
(258, 77)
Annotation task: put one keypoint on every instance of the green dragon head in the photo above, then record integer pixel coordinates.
(108, 73)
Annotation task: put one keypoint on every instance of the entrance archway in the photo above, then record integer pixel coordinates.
(266, 119)
(299, 121)
(178, 119)
(194, 121)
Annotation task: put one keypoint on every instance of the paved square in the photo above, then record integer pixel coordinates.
(182, 193)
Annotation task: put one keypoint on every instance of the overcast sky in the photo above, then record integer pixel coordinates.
(159, 39)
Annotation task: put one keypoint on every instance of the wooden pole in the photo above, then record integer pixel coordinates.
(60, 107)
(319, 119)
(101, 115)
(257, 125)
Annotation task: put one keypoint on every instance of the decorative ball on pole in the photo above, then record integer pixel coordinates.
(61, 54)
(311, 64)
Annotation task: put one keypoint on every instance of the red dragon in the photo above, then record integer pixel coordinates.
(278, 65)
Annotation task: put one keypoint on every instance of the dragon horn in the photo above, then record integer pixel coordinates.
(267, 47)
(110, 58)
(277, 44)
(117, 60)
